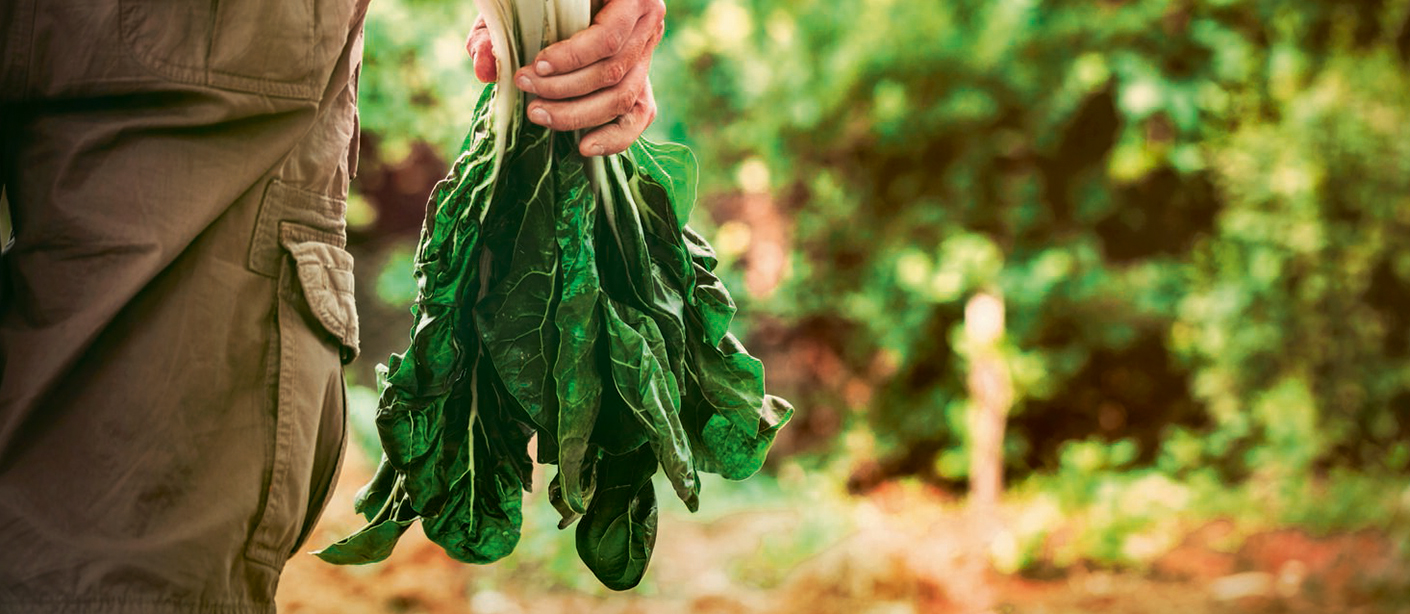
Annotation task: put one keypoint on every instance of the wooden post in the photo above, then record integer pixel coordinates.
(991, 394)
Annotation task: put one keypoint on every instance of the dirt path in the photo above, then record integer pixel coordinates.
(899, 554)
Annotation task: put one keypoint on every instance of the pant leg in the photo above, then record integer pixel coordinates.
(178, 303)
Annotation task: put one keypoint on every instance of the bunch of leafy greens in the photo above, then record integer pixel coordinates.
(562, 297)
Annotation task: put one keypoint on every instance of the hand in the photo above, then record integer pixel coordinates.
(597, 79)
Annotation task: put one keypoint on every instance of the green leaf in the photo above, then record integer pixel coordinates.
(373, 495)
(578, 321)
(732, 383)
(637, 360)
(667, 310)
(624, 258)
(416, 386)
(644, 282)
(725, 376)
(733, 454)
(412, 437)
(511, 445)
(567, 515)
(673, 167)
(662, 224)
(715, 305)
(515, 319)
(480, 523)
(374, 542)
(618, 533)
(699, 248)
(617, 430)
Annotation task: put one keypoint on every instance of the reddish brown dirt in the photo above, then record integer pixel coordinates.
(907, 555)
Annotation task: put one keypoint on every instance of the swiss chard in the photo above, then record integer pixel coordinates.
(562, 298)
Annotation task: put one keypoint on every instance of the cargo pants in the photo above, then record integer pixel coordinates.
(176, 305)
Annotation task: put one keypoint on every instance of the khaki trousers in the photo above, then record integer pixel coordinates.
(177, 304)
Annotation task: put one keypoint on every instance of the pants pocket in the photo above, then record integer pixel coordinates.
(332, 435)
(317, 324)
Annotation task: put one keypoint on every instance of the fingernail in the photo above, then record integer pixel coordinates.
(539, 116)
(597, 149)
(543, 68)
(525, 84)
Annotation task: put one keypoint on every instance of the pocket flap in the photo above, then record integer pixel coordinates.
(326, 274)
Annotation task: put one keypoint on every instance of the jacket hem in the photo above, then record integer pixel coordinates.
(134, 606)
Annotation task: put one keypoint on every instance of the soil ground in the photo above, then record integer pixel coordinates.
(907, 555)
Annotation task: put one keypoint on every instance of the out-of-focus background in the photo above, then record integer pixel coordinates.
(1149, 258)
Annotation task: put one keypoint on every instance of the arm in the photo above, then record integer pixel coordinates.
(595, 80)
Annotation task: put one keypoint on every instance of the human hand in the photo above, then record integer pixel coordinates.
(596, 79)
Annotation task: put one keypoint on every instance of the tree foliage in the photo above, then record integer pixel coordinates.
(1196, 210)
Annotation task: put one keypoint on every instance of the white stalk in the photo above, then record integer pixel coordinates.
(500, 21)
(518, 30)
(604, 192)
(533, 23)
(633, 194)
(573, 16)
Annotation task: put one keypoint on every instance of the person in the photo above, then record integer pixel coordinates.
(176, 305)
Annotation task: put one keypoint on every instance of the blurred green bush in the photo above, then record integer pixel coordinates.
(1198, 211)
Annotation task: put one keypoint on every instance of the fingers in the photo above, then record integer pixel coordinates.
(617, 136)
(599, 75)
(607, 36)
(481, 51)
(597, 79)
(595, 109)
